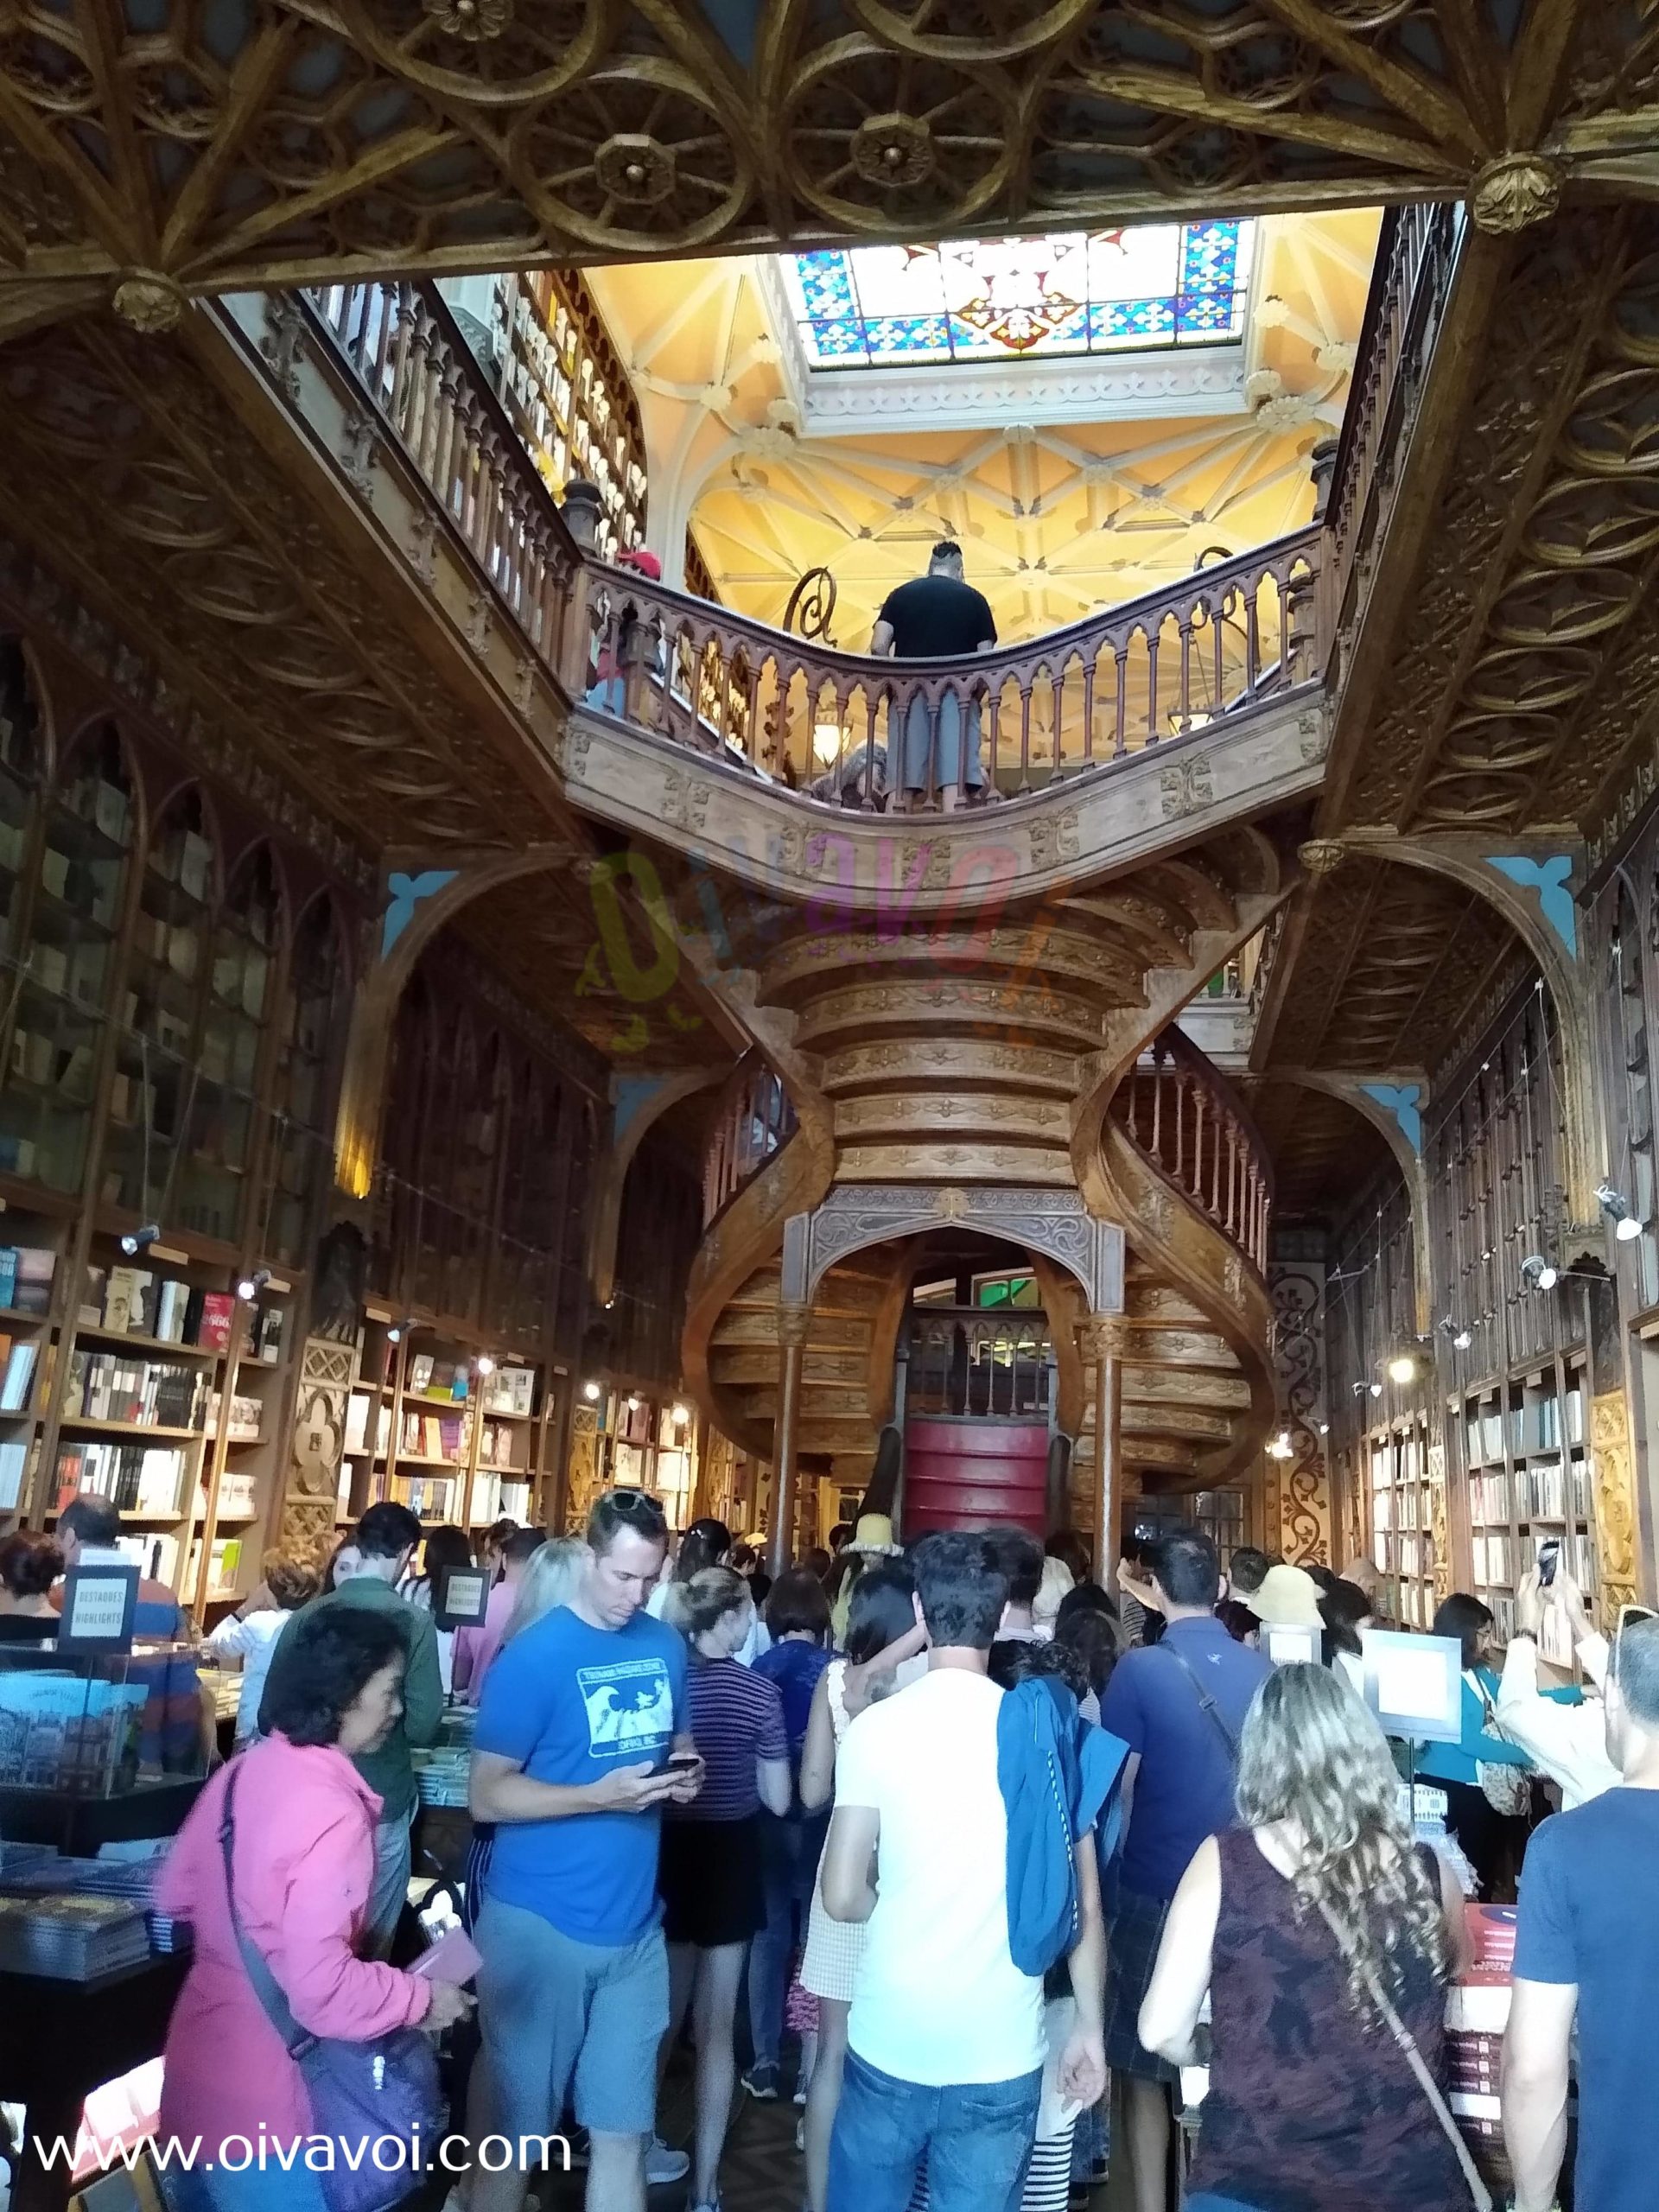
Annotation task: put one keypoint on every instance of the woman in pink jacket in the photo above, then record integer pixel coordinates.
(304, 1864)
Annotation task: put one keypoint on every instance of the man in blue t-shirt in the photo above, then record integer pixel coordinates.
(1587, 1951)
(1178, 1705)
(580, 1717)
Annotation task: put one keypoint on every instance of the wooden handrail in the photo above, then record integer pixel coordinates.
(850, 729)
(846, 728)
(1417, 259)
(754, 1119)
(1182, 1115)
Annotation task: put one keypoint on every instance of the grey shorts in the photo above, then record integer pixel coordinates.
(555, 2012)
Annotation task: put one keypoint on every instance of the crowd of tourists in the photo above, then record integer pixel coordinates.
(962, 1850)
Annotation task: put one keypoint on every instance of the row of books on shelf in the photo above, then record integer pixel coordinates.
(505, 1391)
(1534, 1426)
(26, 1277)
(1548, 1490)
(1401, 1509)
(426, 1436)
(145, 1392)
(19, 1356)
(247, 1418)
(135, 1478)
(15, 1457)
(1499, 1560)
(441, 1497)
(238, 1499)
(136, 1301)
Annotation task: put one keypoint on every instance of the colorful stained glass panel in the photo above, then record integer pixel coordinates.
(1151, 284)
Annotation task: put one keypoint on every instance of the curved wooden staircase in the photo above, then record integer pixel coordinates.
(904, 1088)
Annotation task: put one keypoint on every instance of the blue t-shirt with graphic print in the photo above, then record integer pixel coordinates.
(570, 1704)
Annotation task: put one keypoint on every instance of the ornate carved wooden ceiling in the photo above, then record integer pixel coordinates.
(128, 469)
(1324, 1151)
(1392, 963)
(1525, 665)
(180, 150)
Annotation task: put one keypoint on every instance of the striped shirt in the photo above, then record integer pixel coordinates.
(736, 1717)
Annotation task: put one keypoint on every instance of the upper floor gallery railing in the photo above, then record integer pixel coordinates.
(847, 730)
(1181, 1112)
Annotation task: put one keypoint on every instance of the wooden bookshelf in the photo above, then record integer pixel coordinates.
(1528, 1459)
(1403, 1546)
(404, 1401)
(641, 1446)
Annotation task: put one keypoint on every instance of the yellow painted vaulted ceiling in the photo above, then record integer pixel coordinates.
(1058, 517)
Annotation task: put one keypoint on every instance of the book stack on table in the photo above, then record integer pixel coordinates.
(1477, 2013)
(70, 1935)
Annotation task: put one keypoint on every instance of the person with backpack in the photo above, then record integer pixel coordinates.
(1180, 1705)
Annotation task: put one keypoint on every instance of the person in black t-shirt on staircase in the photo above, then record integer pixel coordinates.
(937, 617)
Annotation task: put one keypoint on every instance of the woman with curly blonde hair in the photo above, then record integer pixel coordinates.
(1294, 1922)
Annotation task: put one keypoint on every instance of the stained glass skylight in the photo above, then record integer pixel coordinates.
(1142, 288)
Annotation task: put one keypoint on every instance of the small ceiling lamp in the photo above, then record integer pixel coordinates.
(400, 1330)
(1280, 1447)
(1617, 1207)
(1402, 1367)
(590, 1391)
(1460, 1337)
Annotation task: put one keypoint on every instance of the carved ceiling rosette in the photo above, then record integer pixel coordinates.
(482, 51)
(877, 141)
(635, 157)
(971, 30)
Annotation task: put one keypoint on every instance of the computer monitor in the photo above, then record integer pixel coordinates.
(1414, 1684)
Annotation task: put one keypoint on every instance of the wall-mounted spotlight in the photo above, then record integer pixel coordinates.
(251, 1286)
(633, 1405)
(1402, 1367)
(399, 1330)
(1368, 1390)
(1461, 1338)
(1280, 1447)
(1325, 1428)
(140, 1240)
(1538, 1273)
(484, 1364)
(1617, 1207)
(680, 1416)
(590, 1391)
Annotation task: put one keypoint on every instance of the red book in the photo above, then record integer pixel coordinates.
(218, 1310)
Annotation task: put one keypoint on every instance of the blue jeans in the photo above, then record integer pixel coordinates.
(975, 2139)
(790, 1850)
(270, 2190)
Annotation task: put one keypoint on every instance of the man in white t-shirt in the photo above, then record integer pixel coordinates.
(946, 2039)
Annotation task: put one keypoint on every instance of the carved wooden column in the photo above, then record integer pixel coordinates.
(1103, 1341)
(792, 1324)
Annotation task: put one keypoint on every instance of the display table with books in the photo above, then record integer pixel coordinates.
(88, 1973)
(98, 1748)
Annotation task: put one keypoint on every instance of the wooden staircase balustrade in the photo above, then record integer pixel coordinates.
(754, 1118)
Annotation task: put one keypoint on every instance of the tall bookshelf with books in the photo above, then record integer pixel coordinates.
(31, 1268)
(648, 1443)
(170, 1381)
(455, 1443)
(1402, 1521)
(1528, 1456)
